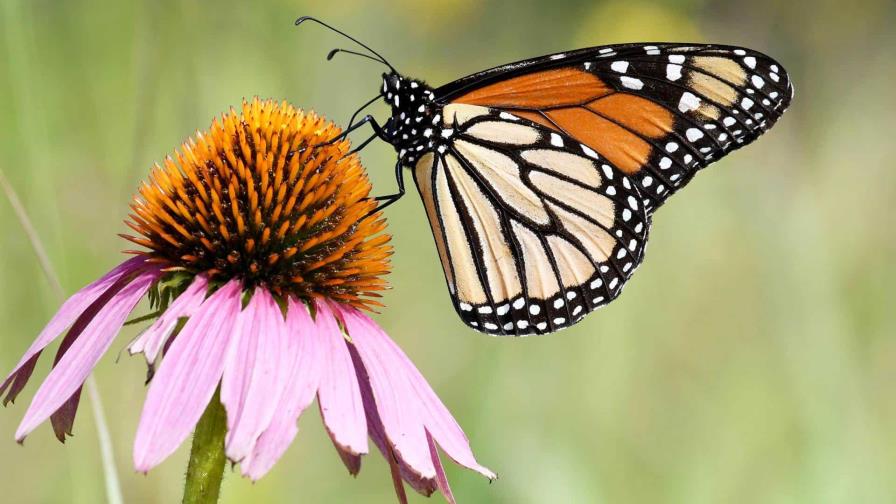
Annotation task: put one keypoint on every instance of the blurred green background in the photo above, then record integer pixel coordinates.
(751, 359)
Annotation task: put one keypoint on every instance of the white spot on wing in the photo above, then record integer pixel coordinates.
(632, 83)
(508, 116)
(673, 72)
(589, 151)
(608, 171)
(619, 66)
(688, 102)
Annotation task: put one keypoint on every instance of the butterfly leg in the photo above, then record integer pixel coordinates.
(392, 198)
(362, 144)
(388, 199)
(361, 109)
(377, 130)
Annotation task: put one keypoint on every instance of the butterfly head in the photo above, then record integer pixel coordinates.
(414, 115)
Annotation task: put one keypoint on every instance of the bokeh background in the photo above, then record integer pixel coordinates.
(751, 359)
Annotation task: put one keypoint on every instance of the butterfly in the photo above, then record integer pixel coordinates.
(540, 177)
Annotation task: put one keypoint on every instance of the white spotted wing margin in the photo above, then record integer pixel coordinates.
(723, 98)
(534, 229)
(720, 98)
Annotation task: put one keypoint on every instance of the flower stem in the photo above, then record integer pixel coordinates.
(207, 460)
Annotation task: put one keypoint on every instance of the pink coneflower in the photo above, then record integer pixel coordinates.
(260, 254)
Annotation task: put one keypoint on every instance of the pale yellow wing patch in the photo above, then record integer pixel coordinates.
(504, 132)
(573, 166)
(541, 283)
(503, 175)
(500, 267)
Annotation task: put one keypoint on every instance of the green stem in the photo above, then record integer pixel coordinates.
(143, 318)
(207, 459)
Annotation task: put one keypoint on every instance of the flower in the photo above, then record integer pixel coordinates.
(261, 251)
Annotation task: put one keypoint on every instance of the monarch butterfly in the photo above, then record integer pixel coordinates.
(540, 177)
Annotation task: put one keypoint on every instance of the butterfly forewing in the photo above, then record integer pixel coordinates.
(534, 229)
(658, 112)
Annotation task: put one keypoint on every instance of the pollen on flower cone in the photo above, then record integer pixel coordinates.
(262, 197)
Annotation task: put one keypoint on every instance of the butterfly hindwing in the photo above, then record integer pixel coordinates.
(534, 229)
(658, 112)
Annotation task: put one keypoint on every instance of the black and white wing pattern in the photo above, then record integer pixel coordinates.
(534, 229)
(659, 112)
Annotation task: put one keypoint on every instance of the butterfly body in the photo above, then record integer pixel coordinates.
(540, 178)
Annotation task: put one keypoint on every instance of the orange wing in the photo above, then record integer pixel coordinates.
(657, 112)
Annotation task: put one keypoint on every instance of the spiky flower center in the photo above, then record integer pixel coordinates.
(260, 197)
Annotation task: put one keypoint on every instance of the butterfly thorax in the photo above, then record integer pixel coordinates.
(415, 126)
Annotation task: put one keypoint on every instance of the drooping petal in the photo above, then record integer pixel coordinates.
(70, 310)
(338, 395)
(85, 351)
(424, 486)
(372, 341)
(151, 341)
(441, 477)
(297, 391)
(63, 419)
(187, 378)
(252, 385)
(396, 402)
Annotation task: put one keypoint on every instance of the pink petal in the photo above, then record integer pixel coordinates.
(187, 378)
(424, 486)
(351, 461)
(338, 395)
(85, 351)
(70, 310)
(441, 477)
(297, 391)
(151, 341)
(373, 344)
(63, 419)
(256, 368)
(396, 401)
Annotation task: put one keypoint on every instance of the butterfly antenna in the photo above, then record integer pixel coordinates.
(334, 52)
(346, 35)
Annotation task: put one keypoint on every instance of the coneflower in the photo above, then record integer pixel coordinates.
(260, 253)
